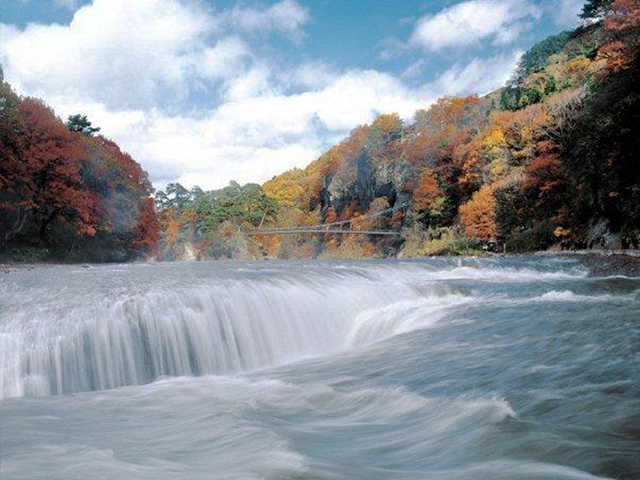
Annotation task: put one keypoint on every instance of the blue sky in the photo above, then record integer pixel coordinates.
(204, 91)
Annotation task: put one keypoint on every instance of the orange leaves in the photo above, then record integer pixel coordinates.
(71, 186)
(368, 249)
(397, 219)
(478, 215)
(90, 231)
(330, 216)
(388, 126)
(426, 193)
(626, 15)
(616, 54)
(349, 211)
(415, 149)
(445, 125)
(450, 112)
(172, 230)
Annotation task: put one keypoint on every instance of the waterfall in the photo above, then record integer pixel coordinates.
(107, 327)
(94, 338)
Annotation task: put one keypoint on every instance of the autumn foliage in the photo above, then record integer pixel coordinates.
(67, 194)
(478, 215)
(549, 160)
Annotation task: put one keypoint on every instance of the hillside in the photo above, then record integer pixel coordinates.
(548, 161)
(65, 193)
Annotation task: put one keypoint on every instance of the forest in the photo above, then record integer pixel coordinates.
(67, 193)
(549, 161)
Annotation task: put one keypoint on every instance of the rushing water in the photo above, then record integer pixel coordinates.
(513, 368)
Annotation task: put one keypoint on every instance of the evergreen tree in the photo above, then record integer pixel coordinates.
(595, 9)
(80, 123)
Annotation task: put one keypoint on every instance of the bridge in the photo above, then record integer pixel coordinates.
(332, 228)
(295, 231)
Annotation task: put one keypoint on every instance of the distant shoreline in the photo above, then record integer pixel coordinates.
(606, 264)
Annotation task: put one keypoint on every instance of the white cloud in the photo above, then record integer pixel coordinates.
(223, 60)
(250, 138)
(255, 82)
(478, 76)
(468, 23)
(391, 47)
(414, 69)
(565, 12)
(286, 16)
(312, 75)
(262, 118)
(137, 53)
(126, 53)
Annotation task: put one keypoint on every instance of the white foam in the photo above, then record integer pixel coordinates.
(379, 323)
(569, 296)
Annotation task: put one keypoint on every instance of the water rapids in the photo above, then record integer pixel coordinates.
(509, 368)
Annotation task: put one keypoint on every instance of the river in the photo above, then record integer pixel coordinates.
(445, 369)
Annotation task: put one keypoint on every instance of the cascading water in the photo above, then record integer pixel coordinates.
(87, 338)
(441, 368)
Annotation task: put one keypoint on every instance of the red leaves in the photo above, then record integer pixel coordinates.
(51, 162)
(625, 15)
(147, 230)
(623, 24)
(546, 174)
(58, 187)
(546, 178)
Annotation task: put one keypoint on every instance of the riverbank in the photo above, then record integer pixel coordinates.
(601, 265)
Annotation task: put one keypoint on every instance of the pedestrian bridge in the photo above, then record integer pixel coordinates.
(343, 227)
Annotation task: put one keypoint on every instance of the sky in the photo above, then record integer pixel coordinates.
(203, 92)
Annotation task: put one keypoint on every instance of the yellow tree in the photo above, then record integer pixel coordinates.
(478, 215)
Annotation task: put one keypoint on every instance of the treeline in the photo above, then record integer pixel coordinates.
(551, 160)
(199, 224)
(65, 193)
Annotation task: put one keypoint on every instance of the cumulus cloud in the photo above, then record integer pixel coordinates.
(312, 75)
(255, 118)
(251, 137)
(136, 54)
(128, 54)
(468, 23)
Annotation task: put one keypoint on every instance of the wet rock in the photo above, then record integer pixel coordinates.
(602, 264)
